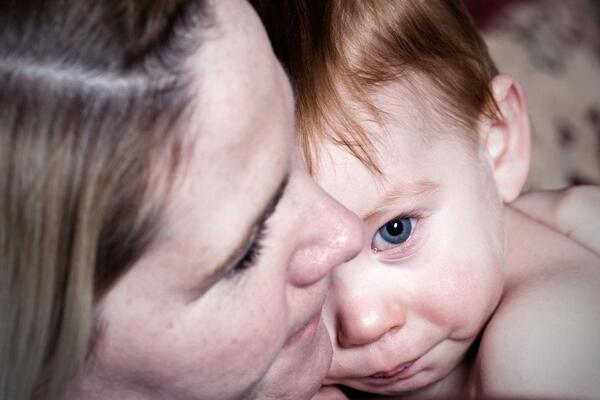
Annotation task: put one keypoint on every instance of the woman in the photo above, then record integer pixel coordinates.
(154, 230)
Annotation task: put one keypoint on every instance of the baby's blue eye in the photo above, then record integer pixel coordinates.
(393, 233)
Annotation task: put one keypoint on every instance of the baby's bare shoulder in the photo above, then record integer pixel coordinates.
(574, 212)
(543, 339)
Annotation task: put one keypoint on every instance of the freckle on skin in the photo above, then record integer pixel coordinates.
(566, 137)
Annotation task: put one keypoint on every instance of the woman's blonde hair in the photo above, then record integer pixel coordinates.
(92, 95)
(330, 47)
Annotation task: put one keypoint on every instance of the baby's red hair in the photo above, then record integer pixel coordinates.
(352, 47)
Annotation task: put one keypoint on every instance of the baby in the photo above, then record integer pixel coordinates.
(463, 288)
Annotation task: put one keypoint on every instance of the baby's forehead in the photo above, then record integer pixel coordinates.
(409, 96)
(403, 175)
(410, 106)
(347, 179)
(393, 119)
(398, 120)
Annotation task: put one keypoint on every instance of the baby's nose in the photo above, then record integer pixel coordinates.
(361, 320)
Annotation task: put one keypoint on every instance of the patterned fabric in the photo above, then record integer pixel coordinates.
(553, 48)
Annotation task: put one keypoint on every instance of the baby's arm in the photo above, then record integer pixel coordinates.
(574, 212)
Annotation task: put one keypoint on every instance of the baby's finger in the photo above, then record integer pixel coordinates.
(329, 393)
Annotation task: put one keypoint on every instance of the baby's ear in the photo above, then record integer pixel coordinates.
(507, 138)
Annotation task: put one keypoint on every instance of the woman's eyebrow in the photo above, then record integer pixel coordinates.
(246, 241)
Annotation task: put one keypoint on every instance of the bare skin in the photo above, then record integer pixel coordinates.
(574, 212)
(518, 353)
(542, 340)
(488, 293)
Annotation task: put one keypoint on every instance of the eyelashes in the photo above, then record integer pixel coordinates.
(253, 253)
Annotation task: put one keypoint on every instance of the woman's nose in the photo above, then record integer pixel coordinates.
(364, 318)
(331, 235)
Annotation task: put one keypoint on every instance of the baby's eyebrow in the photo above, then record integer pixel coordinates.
(403, 192)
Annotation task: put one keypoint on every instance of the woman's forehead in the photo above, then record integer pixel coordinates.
(237, 80)
(240, 138)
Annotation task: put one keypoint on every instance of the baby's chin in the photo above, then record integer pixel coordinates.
(424, 381)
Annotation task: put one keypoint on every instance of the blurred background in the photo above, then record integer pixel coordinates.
(553, 48)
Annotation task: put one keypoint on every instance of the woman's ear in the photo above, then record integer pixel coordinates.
(508, 138)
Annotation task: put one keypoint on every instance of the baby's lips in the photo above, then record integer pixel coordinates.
(329, 393)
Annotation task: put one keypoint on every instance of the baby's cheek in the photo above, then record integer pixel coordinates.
(462, 297)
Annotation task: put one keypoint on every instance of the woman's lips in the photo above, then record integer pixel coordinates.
(401, 371)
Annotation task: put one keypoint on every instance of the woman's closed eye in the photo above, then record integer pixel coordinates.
(393, 234)
(252, 254)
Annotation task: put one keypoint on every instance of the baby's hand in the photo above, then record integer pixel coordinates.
(329, 393)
